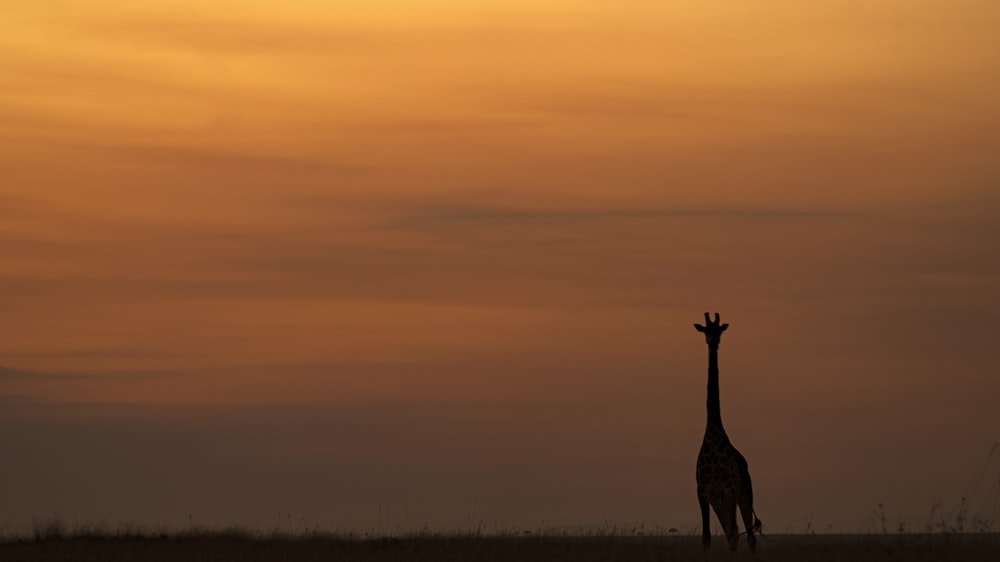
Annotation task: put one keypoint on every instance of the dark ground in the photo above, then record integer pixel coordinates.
(225, 546)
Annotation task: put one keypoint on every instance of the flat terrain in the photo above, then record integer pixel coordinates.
(244, 547)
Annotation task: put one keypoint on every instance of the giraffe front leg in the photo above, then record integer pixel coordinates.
(706, 533)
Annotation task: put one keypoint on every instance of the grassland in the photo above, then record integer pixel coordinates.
(237, 545)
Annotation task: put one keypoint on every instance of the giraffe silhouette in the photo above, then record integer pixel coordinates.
(722, 473)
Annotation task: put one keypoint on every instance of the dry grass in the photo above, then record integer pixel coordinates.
(240, 545)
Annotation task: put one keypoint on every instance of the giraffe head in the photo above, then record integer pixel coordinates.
(712, 330)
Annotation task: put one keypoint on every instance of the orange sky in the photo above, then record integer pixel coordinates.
(443, 254)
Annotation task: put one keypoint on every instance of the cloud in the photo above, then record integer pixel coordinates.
(499, 216)
(19, 385)
(229, 161)
(29, 386)
(9, 373)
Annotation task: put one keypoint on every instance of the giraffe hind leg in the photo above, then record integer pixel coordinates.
(749, 521)
(726, 512)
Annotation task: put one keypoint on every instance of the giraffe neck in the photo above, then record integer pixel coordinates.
(714, 409)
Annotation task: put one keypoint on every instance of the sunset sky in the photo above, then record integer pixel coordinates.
(380, 264)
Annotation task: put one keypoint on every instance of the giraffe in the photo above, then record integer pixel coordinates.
(722, 474)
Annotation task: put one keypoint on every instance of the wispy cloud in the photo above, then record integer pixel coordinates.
(9, 373)
(498, 215)
(31, 385)
(20, 386)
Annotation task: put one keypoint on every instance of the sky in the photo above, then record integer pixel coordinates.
(384, 265)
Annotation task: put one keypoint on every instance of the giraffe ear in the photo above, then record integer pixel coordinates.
(699, 327)
(723, 327)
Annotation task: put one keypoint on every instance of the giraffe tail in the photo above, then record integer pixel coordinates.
(757, 525)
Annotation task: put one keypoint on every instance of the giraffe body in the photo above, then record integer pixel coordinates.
(722, 474)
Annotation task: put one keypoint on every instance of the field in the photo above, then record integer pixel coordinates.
(236, 545)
